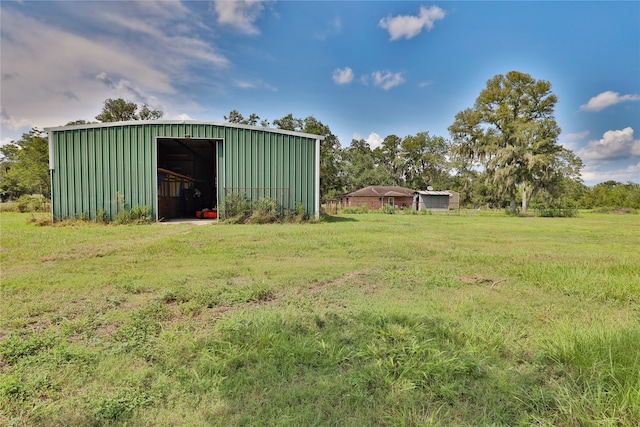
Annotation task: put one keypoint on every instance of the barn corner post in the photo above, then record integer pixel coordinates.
(317, 180)
(51, 168)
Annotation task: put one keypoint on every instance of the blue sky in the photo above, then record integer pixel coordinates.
(367, 69)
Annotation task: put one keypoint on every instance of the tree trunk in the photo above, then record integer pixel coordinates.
(525, 203)
(512, 205)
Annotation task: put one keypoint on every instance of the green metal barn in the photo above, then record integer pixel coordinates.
(178, 169)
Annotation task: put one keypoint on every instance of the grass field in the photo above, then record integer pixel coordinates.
(358, 320)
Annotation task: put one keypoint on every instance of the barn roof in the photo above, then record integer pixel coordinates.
(181, 122)
(382, 191)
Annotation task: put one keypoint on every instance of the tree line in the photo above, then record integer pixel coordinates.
(502, 152)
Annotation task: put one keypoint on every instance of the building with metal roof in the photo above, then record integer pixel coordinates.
(178, 168)
(436, 200)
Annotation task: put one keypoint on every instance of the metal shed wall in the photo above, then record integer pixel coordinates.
(99, 167)
(433, 202)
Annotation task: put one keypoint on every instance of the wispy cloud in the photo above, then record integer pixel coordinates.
(332, 28)
(607, 99)
(577, 136)
(409, 26)
(244, 84)
(343, 76)
(7, 120)
(160, 38)
(241, 14)
(614, 145)
(60, 63)
(386, 79)
(570, 140)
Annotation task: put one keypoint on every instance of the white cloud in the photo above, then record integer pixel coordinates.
(614, 144)
(386, 80)
(183, 117)
(241, 14)
(374, 140)
(425, 84)
(607, 99)
(630, 173)
(409, 26)
(343, 76)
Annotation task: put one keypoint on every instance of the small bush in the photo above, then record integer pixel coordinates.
(557, 212)
(236, 205)
(387, 209)
(102, 217)
(8, 207)
(137, 215)
(298, 214)
(355, 210)
(26, 203)
(23, 203)
(264, 211)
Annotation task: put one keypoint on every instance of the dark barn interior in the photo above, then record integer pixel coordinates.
(187, 171)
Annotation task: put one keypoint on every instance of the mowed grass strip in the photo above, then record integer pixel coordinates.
(356, 320)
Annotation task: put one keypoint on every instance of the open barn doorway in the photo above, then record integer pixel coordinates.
(187, 178)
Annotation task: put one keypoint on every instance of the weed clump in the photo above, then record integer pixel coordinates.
(239, 210)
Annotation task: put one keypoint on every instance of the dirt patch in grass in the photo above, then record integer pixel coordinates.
(336, 282)
(479, 279)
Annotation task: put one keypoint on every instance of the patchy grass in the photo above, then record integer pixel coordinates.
(367, 319)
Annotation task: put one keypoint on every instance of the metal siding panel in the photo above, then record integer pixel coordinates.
(77, 183)
(113, 173)
(130, 152)
(99, 169)
(91, 161)
(107, 173)
(125, 159)
(286, 162)
(241, 158)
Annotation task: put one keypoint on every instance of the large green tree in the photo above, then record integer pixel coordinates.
(425, 160)
(361, 167)
(24, 167)
(120, 110)
(387, 156)
(511, 132)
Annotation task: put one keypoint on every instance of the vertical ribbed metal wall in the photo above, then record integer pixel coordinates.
(99, 168)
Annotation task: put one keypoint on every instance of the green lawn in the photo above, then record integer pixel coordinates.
(359, 320)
